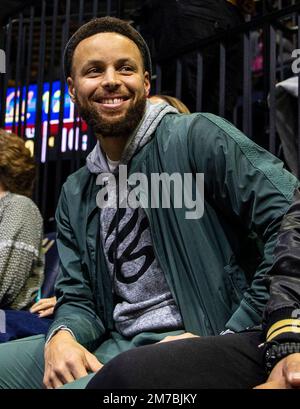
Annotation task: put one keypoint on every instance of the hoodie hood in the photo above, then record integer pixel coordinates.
(96, 160)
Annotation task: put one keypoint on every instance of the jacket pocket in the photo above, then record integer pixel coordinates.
(237, 281)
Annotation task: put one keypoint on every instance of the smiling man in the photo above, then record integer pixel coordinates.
(116, 107)
(135, 276)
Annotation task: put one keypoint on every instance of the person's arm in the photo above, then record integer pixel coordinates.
(250, 188)
(21, 230)
(76, 329)
(66, 360)
(281, 324)
(282, 313)
(75, 308)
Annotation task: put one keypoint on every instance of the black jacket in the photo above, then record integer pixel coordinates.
(282, 314)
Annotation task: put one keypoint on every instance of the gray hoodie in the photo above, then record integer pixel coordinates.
(143, 299)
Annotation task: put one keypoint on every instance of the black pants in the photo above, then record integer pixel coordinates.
(228, 361)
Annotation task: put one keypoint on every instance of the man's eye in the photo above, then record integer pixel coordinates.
(93, 70)
(126, 68)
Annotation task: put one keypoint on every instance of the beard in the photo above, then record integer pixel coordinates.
(120, 127)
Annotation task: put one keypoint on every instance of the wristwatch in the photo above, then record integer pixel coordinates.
(275, 351)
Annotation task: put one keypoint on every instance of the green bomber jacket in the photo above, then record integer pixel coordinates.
(215, 265)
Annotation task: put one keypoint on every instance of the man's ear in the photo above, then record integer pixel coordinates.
(147, 83)
(71, 89)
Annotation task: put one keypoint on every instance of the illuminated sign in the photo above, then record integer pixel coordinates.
(15, 106)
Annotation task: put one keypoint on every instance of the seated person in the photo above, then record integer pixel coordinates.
(133, 276)
(21, 250)
(21, 227)
(282, 313)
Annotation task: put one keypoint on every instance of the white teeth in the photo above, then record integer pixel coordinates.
(112, 101)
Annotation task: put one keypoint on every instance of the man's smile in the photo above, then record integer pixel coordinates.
(112, 102)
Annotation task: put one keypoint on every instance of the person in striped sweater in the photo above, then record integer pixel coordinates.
(21, 227)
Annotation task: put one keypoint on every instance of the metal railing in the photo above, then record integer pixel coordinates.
(272, 30)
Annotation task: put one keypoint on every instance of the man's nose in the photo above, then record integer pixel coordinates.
(110, 79)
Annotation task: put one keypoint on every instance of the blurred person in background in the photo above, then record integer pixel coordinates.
(174, 102)
(21, 226)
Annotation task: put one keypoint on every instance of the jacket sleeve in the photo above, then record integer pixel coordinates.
(282, 314)
(75, 308)
(250, 188)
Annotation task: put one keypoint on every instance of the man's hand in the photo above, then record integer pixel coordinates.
(44, 307)
(67, 360)
(285, 375)
(176, 337)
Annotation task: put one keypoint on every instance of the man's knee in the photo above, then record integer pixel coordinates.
(121, 372)
(22, 363)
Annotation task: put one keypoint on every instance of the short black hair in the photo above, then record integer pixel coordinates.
(106, 25)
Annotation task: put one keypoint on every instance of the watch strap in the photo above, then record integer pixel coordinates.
(275, 351)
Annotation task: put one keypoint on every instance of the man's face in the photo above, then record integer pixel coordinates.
(109, 84)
